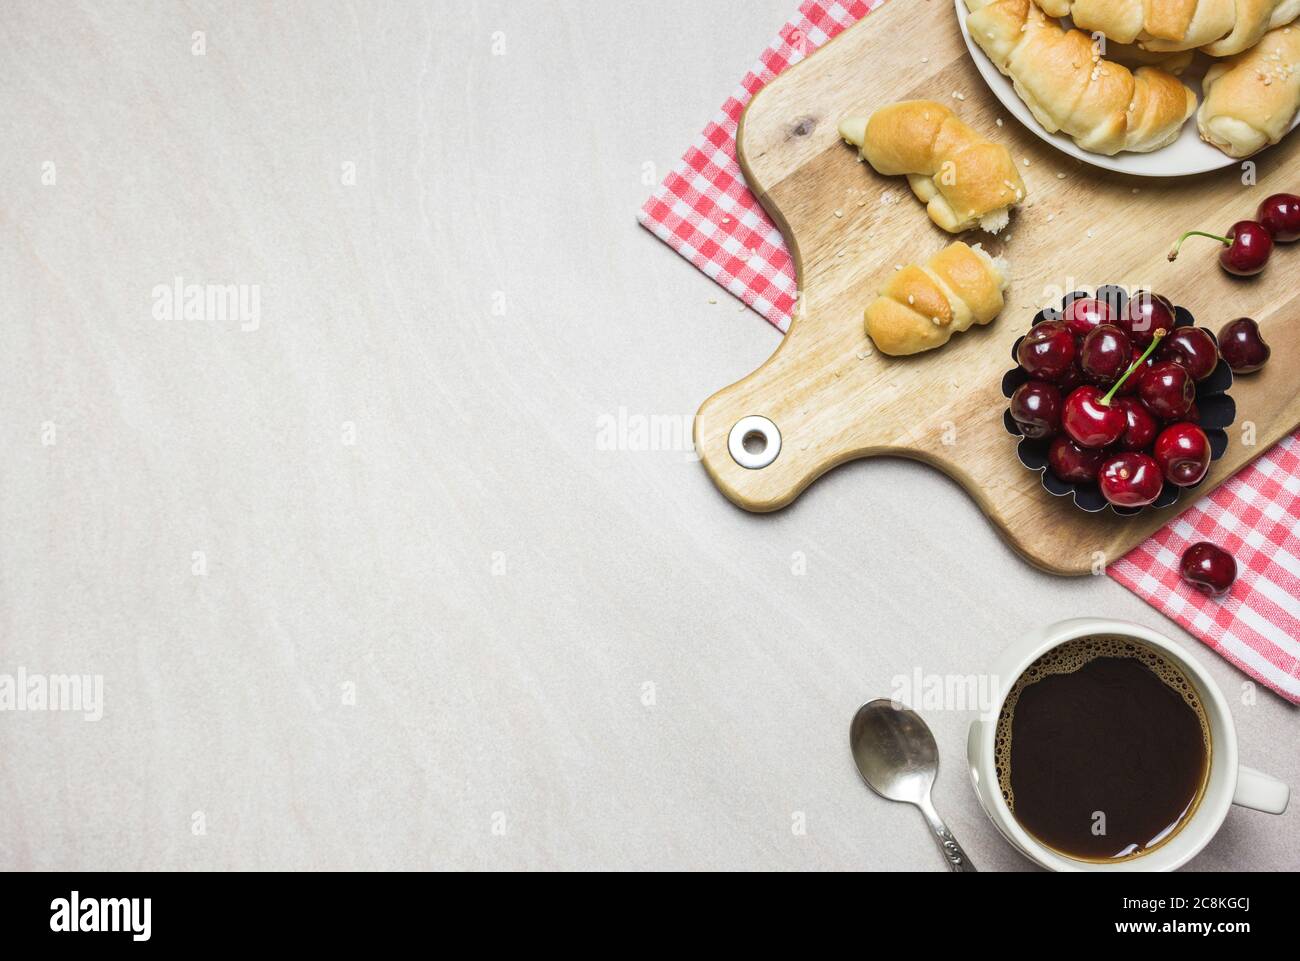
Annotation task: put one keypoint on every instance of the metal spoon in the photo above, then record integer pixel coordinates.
(897, 757)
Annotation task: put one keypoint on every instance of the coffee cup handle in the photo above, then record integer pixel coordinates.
(1258, 791)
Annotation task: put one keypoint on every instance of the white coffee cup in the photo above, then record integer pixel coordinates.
(1228, 782)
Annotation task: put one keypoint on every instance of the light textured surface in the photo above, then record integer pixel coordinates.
(496, 583)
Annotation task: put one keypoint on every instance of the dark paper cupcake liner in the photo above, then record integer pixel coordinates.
(1217, 412)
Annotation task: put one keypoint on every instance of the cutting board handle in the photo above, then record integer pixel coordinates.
(827, 397)
(768, 436)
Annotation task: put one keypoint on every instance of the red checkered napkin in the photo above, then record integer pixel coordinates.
(704, 211)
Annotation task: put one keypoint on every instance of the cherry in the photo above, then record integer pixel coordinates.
(1142, 427)
(1036, 408)
(1280, 215)
(1047, 351)
(1130, 479)
(1246, 247)
(1070, 462)
(1086, 314)
(1106, 353)
(1144, 314)
(1250, 245)
(1193, 348)
(1242, 346)
(1167, 390)
(1183, 453)
(1208, 568)
(1089, 421)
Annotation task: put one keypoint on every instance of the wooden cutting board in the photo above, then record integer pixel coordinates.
(834, 399)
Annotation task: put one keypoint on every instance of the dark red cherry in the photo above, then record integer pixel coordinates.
(1280, 215)
(1086, 314)
(1193, 347)
(1089, 422)
(1208, 568)
(1142, 427)
(1036, 407)
(1183, 452)
(1168, 390)
(1047, 351)
(1246, 247)
(1144, 314)
(1249, 249)
(1130, 479)
(1106, 354)
(1242, 346)
(1072, 463)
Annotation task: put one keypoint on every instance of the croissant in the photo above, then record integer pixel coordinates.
(962, 178)
(1103, 106)
(1220, 27)
(1252, 99)
(920, 307)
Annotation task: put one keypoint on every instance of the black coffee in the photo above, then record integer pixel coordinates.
(1102, 749)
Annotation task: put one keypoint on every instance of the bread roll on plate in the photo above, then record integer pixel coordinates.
(920, 307)
(1251, 100)
(963, 178)
(1069, 87)
(1221, 28)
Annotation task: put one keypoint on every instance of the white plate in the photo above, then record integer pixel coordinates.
(1187, 155)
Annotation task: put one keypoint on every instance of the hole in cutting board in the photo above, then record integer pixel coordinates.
(754, 442)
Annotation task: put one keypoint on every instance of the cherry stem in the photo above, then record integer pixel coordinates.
(1155, 342)
(1173, 254)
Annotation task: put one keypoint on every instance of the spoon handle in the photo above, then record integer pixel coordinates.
(952, 852)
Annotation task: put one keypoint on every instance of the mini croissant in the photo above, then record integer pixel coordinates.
(1252, 99)
(1221, 28)
(1068, 86)
(920, 307)
(963, 178)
